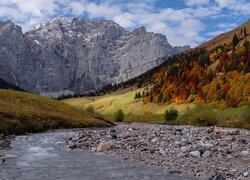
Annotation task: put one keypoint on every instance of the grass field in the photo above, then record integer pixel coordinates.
(25, 112)
(124, 99)
(136, 111)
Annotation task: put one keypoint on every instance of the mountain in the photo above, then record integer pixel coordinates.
(70, 55)
(6, 85)
(216, 73)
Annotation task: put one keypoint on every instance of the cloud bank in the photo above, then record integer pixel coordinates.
(190, 22)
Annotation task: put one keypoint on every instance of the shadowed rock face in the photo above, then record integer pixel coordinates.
(70, 55)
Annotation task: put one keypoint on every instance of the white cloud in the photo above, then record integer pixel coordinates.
(102, 10)
(181, 26)
(125, 20)
(237, 6)
(196, 2)
(77, 8)
(214, 33)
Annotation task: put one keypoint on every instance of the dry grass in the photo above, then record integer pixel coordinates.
(226, 37)
(124, 100)
(25, 112)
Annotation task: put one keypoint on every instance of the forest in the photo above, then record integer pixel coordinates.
(219, 77)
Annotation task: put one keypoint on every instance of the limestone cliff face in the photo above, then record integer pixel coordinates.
(70, 55)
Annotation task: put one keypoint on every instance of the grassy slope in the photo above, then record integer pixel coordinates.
(134, 110)
(25, 112)
(225, 37)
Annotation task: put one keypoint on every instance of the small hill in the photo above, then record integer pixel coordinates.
(227, 37)
(25, 112)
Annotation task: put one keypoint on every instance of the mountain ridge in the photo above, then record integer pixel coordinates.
(71, 55)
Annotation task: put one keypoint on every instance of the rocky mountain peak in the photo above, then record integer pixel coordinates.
(72, 55)
(140, 30)
(9, 26)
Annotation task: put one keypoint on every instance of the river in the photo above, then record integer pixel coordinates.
(44, 157)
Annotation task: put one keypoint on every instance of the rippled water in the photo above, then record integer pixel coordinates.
(44, 156)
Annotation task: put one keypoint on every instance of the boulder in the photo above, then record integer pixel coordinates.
(104, 146)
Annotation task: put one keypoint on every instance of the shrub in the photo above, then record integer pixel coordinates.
(91, 109)
(171, 115)
(201, 116)
(119, 116)
(246, 114)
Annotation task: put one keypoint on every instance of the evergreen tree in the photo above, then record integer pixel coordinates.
(245, 32)
(151, 98)
(235, 40)
(136, 96)
(160, 98)
(217, 87)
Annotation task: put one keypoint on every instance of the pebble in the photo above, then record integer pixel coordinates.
(206, 154)
(245, 174)
(195, 153)
(224, 151)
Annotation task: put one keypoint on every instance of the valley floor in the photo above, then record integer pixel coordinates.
(136, 111)
(200, 151)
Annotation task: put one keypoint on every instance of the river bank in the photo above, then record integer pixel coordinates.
(199, 151)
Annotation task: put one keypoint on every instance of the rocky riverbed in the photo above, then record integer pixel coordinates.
(207, 153)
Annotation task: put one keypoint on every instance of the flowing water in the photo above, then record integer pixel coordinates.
(44, 156)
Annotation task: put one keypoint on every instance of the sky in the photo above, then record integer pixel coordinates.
(184, 22)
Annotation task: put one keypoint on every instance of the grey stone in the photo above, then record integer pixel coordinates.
(195, 153)
(206, 154)
(244, 153)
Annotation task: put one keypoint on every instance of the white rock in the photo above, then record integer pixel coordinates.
(185, 148)
(195, 153)
(155, 139)
(245, 174)
(104, 146)
(244, 153)
(162, 152)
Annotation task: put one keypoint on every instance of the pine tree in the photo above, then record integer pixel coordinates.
(235, 40)
(160, 98)
(151, 98)
(136, 96)
(217, 87)
(245, 32)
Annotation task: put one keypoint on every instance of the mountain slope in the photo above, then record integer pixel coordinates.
(6, 85)
(206, 86)
(218, 75)
(227, 37)
(25, 112)
(70, 55)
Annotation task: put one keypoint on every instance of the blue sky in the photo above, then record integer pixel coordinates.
(182, 21)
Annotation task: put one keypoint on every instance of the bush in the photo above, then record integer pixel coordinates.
(201, 116)
(246, 114)
(119, 116)
(91, 109)
(171, 115)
